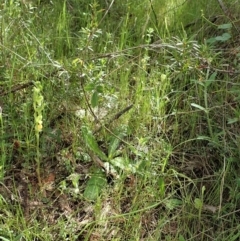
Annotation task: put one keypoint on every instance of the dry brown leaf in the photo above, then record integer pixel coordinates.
(210, 208)
(48, 182)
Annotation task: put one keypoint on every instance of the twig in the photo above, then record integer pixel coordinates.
(223, 7)
(16, 88)
(227, 13)
(115, 117)
(151, 46)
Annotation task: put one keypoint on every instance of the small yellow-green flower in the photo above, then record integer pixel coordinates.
(38, 126)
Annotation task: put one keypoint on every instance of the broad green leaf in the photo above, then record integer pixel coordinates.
(225, 26)
(211, 40)
(211, 79)
(94, 99)
(233, 120)
(99, 89)
(120, 162)
(173, 203)
(181, 238)
(198, 203)
(213, 76)
(94, 187)
(90, 87)
(198, 106)
(123, 164)
(91, 192)
(224, 37)
(92, 143)
(115, 141)
(112, 147)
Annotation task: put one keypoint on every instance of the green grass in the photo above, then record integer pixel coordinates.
(166, 168)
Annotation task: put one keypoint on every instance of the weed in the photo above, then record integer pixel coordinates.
(38, 106)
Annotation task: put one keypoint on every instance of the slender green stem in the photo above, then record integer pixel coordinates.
(206, 107)
(3, 152)
(38, 160)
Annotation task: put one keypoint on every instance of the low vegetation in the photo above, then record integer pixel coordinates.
(119, 120)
